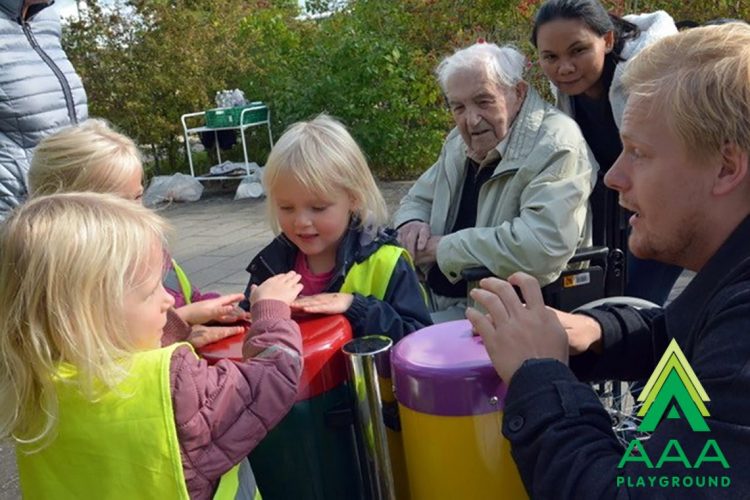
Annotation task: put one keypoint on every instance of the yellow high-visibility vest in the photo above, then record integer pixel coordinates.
(176, 279)
(123, 445)
(372, 276)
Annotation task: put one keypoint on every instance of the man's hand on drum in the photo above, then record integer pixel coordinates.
(512, 331)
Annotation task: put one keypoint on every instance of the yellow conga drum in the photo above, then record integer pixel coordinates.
(450, 402)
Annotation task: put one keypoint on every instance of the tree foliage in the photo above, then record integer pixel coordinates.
(146, 62)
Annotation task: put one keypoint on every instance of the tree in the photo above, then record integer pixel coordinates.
(146, 62)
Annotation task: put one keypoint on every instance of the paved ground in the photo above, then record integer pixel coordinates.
(214, 240)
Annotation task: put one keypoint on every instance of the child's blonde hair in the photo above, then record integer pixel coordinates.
(323, 156)
(90, 156)
(67, 262)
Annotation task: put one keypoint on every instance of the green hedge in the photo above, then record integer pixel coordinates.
(146, 62)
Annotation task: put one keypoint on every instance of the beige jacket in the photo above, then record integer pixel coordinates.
(533, 212)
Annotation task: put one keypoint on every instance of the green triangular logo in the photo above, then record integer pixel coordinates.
(673, 383)
(673, 413)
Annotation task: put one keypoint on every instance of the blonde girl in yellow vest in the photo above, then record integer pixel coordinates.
(324, 201)
(95, 407)
(91, 156)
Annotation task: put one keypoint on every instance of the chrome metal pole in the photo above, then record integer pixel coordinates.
(364, 357)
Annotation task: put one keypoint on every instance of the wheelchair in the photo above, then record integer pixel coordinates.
(604, 264)
(600, 280)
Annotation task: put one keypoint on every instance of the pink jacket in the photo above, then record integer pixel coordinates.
(223, 411)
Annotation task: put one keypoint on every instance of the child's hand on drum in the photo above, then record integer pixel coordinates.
(222, 309)
(201, 335)
(324, 303)
(284, 287)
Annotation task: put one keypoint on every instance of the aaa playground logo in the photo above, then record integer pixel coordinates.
(673, 392)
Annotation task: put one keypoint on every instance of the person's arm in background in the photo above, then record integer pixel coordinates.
(419, 212)
(12, 165)
(629, 345)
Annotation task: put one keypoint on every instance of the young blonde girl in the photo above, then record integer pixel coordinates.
(323, 200)
(91, 156)
(96, 408)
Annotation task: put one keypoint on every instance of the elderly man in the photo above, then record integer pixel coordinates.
(684, 174)
(510, 189)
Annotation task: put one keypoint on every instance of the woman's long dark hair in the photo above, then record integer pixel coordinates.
(593, 14)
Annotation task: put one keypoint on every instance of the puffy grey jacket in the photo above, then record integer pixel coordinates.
(39, 92)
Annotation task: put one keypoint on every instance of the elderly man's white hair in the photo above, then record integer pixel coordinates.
(504, 65)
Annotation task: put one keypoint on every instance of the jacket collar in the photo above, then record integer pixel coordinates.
(522, 136)
(13, 8)
(731, 263)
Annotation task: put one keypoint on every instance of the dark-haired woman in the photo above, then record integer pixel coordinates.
(583, 50)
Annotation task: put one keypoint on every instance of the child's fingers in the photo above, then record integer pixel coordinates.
(230, 300)
(293, 277)
(234, 316)
(423, 237)
(203, 335)
(287, 275)
(226, 310)
(316, 309)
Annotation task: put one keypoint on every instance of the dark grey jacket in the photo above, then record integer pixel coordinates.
(402, 310)
(39, 92)
(561, 437)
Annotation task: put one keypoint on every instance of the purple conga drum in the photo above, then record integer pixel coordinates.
(450, 402)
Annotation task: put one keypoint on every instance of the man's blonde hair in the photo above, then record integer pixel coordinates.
(700, 80)
(323, 157)
(90, 156)
(67, 262)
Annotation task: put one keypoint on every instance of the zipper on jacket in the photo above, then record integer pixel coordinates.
(268, 267)
(58, 73)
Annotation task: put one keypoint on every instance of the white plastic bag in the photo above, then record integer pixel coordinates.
(250, 187)
(230, 98)
(177, 187)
